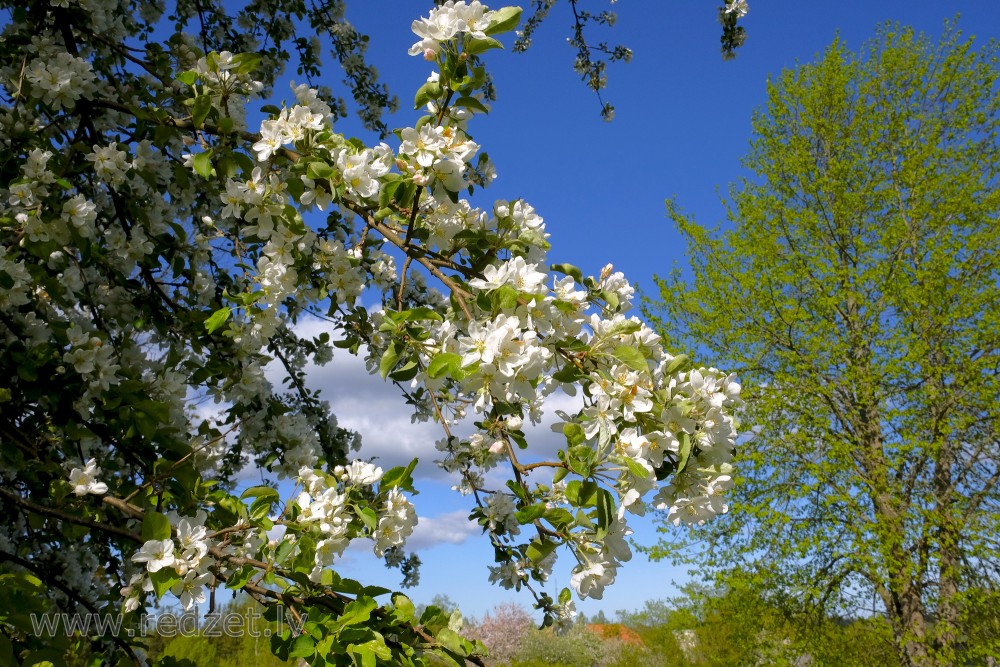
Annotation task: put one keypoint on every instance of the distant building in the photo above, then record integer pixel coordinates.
(616, 631)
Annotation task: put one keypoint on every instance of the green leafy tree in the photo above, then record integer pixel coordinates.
(743, 623)
(857, 290)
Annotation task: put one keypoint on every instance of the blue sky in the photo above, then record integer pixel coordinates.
(683, 122)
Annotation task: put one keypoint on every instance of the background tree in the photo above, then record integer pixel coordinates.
(857, 292)
(503, 630)
(744, 623)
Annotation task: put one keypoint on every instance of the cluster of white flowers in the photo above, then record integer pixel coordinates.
(396, 521)
(590, 580)
(445, 22)
(19, 279)
(509, 575)
(438, 155)
(60, 79)
(362, 169)
(325, 507)
(308, 97)
(110, 163)
(324, 503)
(187, 553)
(91, 358)
(499, 514)
(218, 70)
(289, 127)
(342, 269)
(738, 7)
(697, 494)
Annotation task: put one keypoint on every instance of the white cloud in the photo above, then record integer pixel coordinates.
(449, 528)
(377, 410)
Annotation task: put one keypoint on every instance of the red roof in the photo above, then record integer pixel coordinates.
(616, 631)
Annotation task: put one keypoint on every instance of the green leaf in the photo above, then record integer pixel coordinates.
(389, 359)
(574, 433)
(631, 357)
(363, 655)
(581, 493)
(304, 646)
(427, 92)
(518, 437)
(399, 477)
(558, 517)
(676, 364)
(284, 548)
(245, 63)
(664, 470)
(605, 509)
(188, 78)
(530, 513)
(202, 164)
(240, 577)
(470, 103)
(6, 651)
(367, 516)
(357, 612)
(163, 580)
(296, 188)
(200, 109)
(476, 46)
(261, 507)
(403, 608)
(217, 319)
(405, 193)
(318, 170)
(539, 549)
(568, 374)
(636, 469)
(406, 372)
(503, 20)
(421, 313)
(444, 363)
(684, 454)
(155, 526)
(518, 491)
(262, 491)
(385, 195)
(442, 658)
(452, 641)
(505, 298)
(375, 647)
(581, 459)
(569, 270)
(43, 657)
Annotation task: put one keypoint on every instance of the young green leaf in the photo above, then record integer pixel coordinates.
(503, 20)
(155, 526)
(217, 319)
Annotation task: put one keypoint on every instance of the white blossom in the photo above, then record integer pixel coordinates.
(86, 480)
